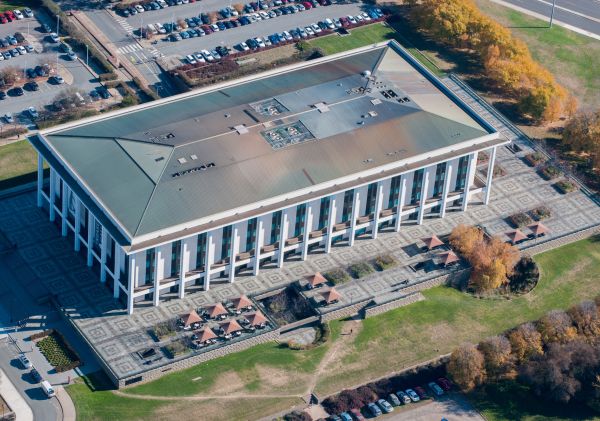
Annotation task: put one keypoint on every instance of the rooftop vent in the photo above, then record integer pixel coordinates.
(194, 157)
(375, 101)
(182, 160)
(366, 73)
(240, 129)
(322, 107)
(160, 158)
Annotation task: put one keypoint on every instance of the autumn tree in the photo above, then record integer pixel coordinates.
(464, 238)
(582, 134)
(525, 342)
(466, 367)
(586, 319)
(556, 326)
(492, 262)
(498, 359)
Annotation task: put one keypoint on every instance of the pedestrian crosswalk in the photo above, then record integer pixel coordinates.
(124, 24)
(155, 53)
(130, 48)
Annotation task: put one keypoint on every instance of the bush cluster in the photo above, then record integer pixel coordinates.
(360, 269)
(534, 159)
(337, 276)
(164, 330)
(520, 219)
(541, 212)
(384, 262)
(565, 186)
(58, 352)
(550, 172)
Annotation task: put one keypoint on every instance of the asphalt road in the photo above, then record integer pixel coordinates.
(581, 14)
(46, 53)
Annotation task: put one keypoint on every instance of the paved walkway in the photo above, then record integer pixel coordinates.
(68, 408)
(14, 399)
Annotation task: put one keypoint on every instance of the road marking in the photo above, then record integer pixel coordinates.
(571, 11)
(546, 18)
(124, 24)
(129, 48)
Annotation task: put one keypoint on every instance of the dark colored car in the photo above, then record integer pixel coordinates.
(252, 44)
(204, 18)
(32, 86)
(17, 91)
(2, 94)
(104, 93)
(421, 392)
(221, 26)
(444, 383)
(31, 73)
(40, 71)
(223, 51)
(37, 377)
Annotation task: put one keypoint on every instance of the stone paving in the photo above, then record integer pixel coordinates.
(117, 337)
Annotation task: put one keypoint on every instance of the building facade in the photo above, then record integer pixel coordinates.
(181, 259)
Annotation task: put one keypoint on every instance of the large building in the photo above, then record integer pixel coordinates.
(178, 193)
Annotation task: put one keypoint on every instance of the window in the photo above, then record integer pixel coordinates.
(324, 212)
(175, 257)
(371, 198)
(251, 234)
(461, 173)
(226, 242)
(394, 192)
(201, 250)
(347, 207)
(417, 185)
(275, 227)
(440, 176)
(150, 265)
(300, 218)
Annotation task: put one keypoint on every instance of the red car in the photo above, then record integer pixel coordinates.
(357, 415)
(345, 22)
(421, 392)
(3, 19)
(307, 5)
(9, 14)
(444, 383)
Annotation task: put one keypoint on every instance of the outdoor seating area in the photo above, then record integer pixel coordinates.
(536, 230)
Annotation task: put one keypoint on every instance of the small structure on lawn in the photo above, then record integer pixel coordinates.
(331, 296)
(242, 303)
(432, 242)
(538, 229)
(449, 258)
(216, 310)
(316, 280)
(190, 318)
(516, 236)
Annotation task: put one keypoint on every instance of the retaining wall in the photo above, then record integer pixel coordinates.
(561, 241)
(405, 300)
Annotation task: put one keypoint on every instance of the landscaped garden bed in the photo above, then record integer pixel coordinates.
(178, 347)
(360, 269)
(58, 352)
(498, 171)
(164, 330)
(337, 276)
(565, 186)
(519, 219)
(287, 306)
(384, 262)
(541, 212)
(534, 159)
(550, 172)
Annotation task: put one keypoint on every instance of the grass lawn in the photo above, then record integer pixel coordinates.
(369, 34)
(573, 58)
(14, 4)
(18, 164)
(391, 341)
(510, 400)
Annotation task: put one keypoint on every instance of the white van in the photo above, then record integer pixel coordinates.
(79, 98)
(152, 29)
(48, 389)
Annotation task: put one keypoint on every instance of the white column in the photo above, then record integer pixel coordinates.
(77, 224)
(490, 175)
(103, 249)
(378, 205)
(234, 245)
(157, 258)
(424, 188)
(355, 214)
(184, 263)
(90, 234)
(52, 194)
(401, 198)
(210, 256)
(63, 208)
(308, 221)
(117, 271)
(285, 225)
(40, 179)
(260, 239)
(446, 190)
(330, 223)
(470, 172)
(131, 282)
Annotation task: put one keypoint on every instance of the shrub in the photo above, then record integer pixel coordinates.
(550, 172)
(541, 212)
(297, 416)
(525, 277)
(178, 347)
(534, 159)
(556, 326)
(385, 261)
(13, 131)
(337, 276)
(565, 186)
(58, 353)
(164, 329)
(520, 219)
(107, 76)
(360, 270)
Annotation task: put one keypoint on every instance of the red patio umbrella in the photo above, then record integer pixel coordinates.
(316, 279)
(206, 334)
(216, 310)
(538, 229)
(432, 242)
(191, 318)
(241, 302)
(230, 326)
(516, 236)
(256, 319)
(331, 295)
(449, 257)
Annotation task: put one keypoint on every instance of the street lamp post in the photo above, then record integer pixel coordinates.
(552, 12)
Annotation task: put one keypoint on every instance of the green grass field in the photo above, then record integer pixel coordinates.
(369, 34)
(573, 58)
(18, 164)
(389, 342)
(14, 4)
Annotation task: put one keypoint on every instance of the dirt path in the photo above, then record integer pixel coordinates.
(349, 331)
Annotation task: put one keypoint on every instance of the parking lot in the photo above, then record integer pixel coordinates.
(450, 407)
(74, 72)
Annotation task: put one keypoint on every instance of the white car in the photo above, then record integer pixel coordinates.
(260, 42)
(54, 37)
(25, 361)
(412, 395)
(309, 31)
(214, 27)
(21, 50)
(160, 28)
(351, 19)
(33, 114)
(264, 15)
(139, 8)
(243, 46)
(27, 12)
(18, 14)
(9, 118)
(359, 18)
(162, 3)
(365, 16)
(199, 58)
(287, 35)
(191, 59)
(316, 28)
(207, 55)
(329, 23)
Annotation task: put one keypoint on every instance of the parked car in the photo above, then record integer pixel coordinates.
(32, 86)
(191, 59)
(46, 28)
(344, 416)
(357, 415)
(199, 58)
(421, 392)
(17, 91)
(403, 397)
(242, 46)
(222, 51)
(37, 377)
(436, 389)
(29, 48)
(385, 406)
(412, 395)
(18, 14)
(25, 361)
(58, 79)
(393, 399)
(444, 383)
(103, 93)
(54, 37)
(2, 95)
(8, 118)
(374, 409)
(33, 114)
(207, 55)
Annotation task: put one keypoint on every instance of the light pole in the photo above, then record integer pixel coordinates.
(87, 55)
(552, 12)
(57, 24)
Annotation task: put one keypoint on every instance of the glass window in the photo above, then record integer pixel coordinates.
(175, 257)
(417, 185)
(440, 176)
(371, 198)
(324, 212)
(150, 264)
(347, 206)
(394, 192)
(461, 173)
(251, 234)
(201, 250)
(226, 242)
(300, 218)
(275, 227)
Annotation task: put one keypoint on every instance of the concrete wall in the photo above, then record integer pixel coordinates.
(543, 246)
(405, 300)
